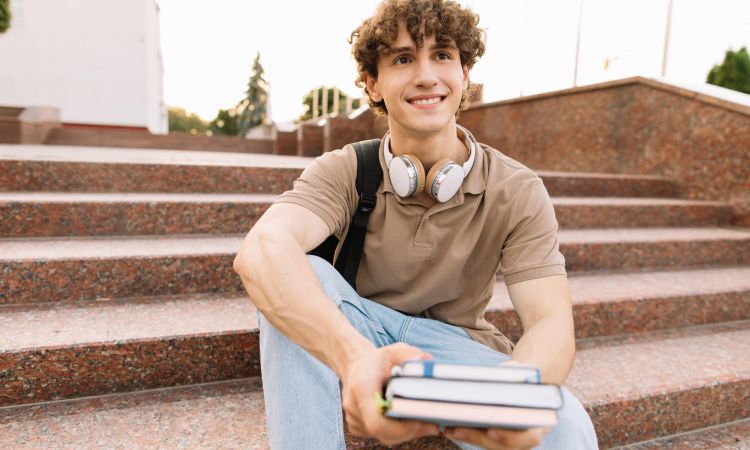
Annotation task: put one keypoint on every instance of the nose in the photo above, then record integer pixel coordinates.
(426, 75)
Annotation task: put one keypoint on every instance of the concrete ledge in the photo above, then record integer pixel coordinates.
(140, 139)
(29, 125)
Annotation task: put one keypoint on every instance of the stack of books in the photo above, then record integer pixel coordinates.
(471, 395)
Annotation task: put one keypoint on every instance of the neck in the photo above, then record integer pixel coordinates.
(429, 147)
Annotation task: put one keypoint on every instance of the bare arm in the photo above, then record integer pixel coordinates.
(283, 286)
(548, 341)
(281, 283)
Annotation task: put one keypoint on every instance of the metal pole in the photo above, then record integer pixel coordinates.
(324, 103)
(666, 41)
(335, 101)
(315, 104)
(578, 44)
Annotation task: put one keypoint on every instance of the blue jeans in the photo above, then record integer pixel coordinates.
(303, 395)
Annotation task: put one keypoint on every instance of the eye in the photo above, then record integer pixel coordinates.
(403, 59)
(443, 55)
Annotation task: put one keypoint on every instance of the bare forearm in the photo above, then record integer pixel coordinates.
(281, 283)
(549, 345)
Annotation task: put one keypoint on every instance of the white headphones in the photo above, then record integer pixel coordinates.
(444, 180)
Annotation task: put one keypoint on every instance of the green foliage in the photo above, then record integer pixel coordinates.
(250, 112)
(226, 123)
(308, 101)
(733, 73)
(182, 122)
(252, 109)
(5, 15)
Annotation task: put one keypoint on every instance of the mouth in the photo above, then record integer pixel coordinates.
(427, 100)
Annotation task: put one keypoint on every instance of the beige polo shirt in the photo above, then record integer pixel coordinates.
(441, 261)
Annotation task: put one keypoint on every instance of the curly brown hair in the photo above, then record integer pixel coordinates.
(445, 19)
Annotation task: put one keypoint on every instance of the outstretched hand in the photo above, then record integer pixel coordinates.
(363, 380)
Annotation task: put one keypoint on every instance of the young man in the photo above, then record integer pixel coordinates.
(430, 257)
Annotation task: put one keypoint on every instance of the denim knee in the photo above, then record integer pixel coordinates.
(574, 429)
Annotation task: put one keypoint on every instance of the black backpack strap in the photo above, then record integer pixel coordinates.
(369, 176)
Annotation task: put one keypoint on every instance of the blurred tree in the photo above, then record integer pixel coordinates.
(307, 101)
(5, 15)
(226, 123)
(733, 73)
(252, 109)
(182, 122)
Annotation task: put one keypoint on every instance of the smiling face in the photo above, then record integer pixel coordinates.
(421, 87)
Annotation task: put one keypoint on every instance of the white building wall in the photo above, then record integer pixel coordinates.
(98, 61)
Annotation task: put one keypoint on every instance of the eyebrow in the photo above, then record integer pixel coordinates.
(410, 48)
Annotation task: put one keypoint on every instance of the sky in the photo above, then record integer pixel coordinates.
(208, 47)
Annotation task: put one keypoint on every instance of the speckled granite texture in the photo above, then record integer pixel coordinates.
(63, 214)
(621, 381)
(81, 169)
(27, 214)
(43, 270)
(648, 249)
(644, 386)
(635, 125)
(734, 436)
(55, 269)
(620, 303)
(223, 415)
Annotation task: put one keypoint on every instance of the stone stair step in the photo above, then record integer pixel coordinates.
(38, 214)
(653, 248)
(67, 269)
(620, 303)
(650, 385)
(61, 351)
(85, 169)
(90, 348)
(731, 436)
(225, 414)
(635, 388)
(602, 212)
(43, 214)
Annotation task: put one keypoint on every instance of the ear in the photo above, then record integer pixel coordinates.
(372, 87)
(465, 81)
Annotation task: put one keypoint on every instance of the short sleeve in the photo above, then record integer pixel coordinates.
(327, 188)
(531, 249)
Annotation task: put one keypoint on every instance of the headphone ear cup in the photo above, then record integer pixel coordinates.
(420, 171)
(407, 175)
(433, 173)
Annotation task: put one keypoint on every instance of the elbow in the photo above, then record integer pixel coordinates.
(245, 259)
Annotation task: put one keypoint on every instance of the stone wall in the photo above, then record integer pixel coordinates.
(633, 126)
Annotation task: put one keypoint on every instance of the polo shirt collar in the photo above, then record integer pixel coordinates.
(474, 183)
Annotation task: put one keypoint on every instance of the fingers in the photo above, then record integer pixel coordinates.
(391, 432)
(400, 352)
(499, 438)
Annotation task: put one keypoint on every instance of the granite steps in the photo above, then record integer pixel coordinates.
(47, 214)
(78, 268)
(60, 350)
(641, 312)
(109, 170)
(636, 387)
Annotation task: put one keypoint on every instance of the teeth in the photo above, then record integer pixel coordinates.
(427, 101)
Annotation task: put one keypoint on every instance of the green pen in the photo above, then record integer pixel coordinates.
(382, 403)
